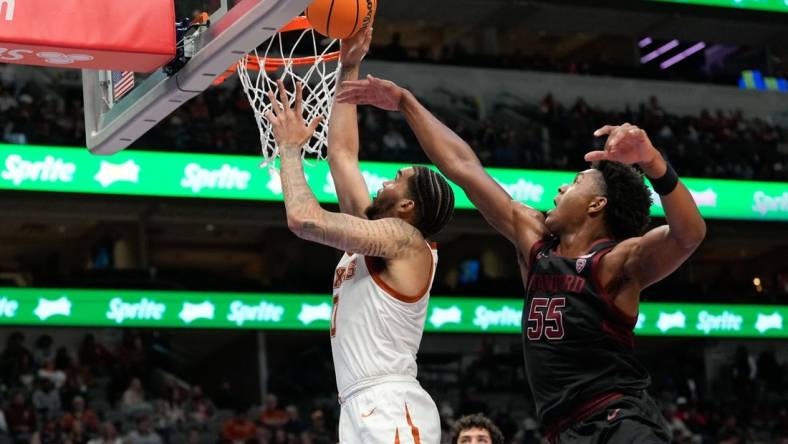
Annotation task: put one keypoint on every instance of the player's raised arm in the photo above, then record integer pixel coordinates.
(389, 238)
(343, 141)
(659, 252)
(449, 153)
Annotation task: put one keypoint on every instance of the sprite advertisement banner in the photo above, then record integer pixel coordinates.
(71, 170)
(763, 5)
(146, 308)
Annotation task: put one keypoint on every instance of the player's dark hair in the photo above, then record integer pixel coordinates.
(477, 421)
(628, 199)
(434, 200)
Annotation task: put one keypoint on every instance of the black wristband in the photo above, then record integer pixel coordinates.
(667, 183)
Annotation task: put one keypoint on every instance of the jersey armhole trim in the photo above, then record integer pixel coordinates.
(533, 252)
(374, 271)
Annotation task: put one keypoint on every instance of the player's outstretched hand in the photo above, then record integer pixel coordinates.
(290, 129)
(383, 94)
(626, 144)
(354, 49)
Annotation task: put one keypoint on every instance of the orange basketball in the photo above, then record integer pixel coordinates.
(340, 19)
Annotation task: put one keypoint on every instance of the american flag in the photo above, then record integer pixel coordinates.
(122, 82)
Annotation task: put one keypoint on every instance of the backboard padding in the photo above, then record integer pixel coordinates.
(230, 37)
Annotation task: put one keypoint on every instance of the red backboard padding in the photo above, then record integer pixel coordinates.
(122, 35)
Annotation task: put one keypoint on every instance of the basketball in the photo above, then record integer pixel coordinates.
(340, 19)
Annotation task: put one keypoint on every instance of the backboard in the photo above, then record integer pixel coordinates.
(234, 28)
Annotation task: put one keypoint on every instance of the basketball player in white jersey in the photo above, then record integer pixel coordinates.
(382, 283)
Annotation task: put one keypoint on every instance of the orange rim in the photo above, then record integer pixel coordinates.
(299, 23)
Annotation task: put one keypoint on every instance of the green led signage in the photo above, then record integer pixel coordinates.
(146, 308)
(143, 173)
(763, 5)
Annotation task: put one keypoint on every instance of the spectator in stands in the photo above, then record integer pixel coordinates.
(144, 433)
(46, 399)
(280, 437)
(74, 386)
(134, 396)
(131, 356)
(77, 435)
(16, 361)
(199, 408)
(63, 360)
(167, 418)
(109, 435)
(49, 372)
(43, 350)
(294, 426)
(21, 418)
(50, 433)
(263, 436)
(318, 432)
(272, 415)
(93, 356)
(238, 429)
(475, 429)
(80, 414)
(193, 436)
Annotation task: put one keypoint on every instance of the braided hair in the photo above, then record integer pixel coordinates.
(434, 200)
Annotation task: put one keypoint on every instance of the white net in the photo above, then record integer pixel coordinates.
(318, 72)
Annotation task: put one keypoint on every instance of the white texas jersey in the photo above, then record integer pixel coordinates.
(375, 331)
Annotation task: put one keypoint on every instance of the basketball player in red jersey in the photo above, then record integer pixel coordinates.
(583, 263)
(383, 280)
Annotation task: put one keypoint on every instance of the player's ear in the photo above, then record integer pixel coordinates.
(597, 204)
(406, 205)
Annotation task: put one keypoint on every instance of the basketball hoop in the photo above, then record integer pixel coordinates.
(313, 71)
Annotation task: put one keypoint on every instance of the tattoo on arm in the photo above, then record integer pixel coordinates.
(387, 238)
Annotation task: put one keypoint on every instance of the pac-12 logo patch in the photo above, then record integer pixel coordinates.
(580, 264)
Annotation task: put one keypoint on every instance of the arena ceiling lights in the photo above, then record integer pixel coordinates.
(668, 53)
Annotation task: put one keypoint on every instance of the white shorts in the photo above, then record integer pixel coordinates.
(388, 413)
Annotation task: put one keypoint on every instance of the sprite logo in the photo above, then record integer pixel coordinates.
(51, 169)
(726, 321)
(275, 181)
(641, 321)
(311, 313)
(46, 308)
(240, 313)
(443, 316)
(197, 178)
(373, 181)
(191, 312)
(110, 173)
(765, 204)
(705, 198)
(668, 321)
(505, 317)
(120, 310)
(8, 307)
(767, 322)
(523, 190)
